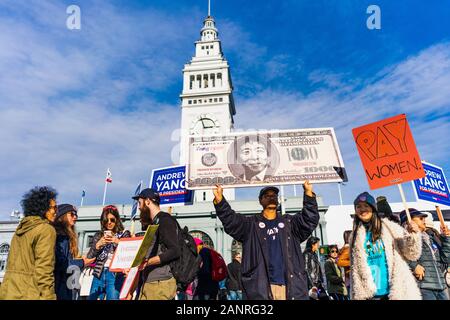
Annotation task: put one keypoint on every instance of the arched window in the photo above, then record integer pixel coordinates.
(207, 241)
(4, 251)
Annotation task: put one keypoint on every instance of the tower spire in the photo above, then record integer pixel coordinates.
(209, 8)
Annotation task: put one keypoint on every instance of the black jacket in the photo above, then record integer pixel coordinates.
(435, 262)
(313, 269)
(205, 284)
(64, 260)
(335, 278)
(234, 280)
(165, 246)
(255, 276)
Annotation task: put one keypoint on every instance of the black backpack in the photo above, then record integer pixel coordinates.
(185, 269)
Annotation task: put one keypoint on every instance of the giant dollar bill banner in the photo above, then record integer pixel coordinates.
(265, 158)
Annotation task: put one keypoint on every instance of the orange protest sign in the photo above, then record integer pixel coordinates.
(388, 152)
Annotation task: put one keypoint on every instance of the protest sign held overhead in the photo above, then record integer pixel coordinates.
(388, 152)
(265, 158)
(433, 187)
(170, 182)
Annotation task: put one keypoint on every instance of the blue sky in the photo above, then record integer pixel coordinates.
(74, 102)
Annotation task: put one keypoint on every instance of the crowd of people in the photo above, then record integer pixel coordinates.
(384, 256)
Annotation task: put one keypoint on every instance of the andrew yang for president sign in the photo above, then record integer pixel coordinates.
(433, 187)
(170, 182)
(388, 152)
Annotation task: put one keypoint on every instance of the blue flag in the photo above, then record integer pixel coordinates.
(134, 210)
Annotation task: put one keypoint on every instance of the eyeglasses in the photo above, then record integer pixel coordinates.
(113, 220)
(333, 251)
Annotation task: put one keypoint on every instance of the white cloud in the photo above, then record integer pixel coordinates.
(72, 102)
(417, 86)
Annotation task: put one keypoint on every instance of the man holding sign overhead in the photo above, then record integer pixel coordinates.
(272, 267)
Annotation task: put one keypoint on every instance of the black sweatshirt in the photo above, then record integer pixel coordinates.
(166, 247)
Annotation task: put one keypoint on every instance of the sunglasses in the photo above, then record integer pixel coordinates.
(113, 220)
(74, 214)
(333, 251)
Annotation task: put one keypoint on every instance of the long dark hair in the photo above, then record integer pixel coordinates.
(311, 241)
(346, 235)
(62, 227)
(104, 219)
(374, 226)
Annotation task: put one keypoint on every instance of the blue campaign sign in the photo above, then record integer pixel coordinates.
(433, 187)
(171, 185)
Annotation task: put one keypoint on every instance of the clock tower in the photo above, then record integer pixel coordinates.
(207, 100)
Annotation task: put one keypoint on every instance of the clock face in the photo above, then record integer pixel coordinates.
(205, 124)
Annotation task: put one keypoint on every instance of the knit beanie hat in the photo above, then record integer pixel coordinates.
(366, 197)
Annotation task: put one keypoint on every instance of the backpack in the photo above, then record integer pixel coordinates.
(185, 269)
(218, 266)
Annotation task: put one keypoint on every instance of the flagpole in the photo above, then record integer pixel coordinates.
(82, 198)
(340, 193)
(106, 187)
(283, 208)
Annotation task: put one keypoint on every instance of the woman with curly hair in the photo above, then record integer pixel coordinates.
(103, 246)
(29, 272)
(67, 253)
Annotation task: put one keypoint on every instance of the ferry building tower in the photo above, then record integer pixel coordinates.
(207, 99)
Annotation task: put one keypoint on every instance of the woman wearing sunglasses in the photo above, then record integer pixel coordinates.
(335, 276)
(103, 246)
(67, 254)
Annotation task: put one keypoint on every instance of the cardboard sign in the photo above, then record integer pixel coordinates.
(388, 152)
(125, 254)
(147, 242)
(433, 187)
(170, 182)
(129, 282)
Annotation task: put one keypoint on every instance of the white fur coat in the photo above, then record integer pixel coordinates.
(400, 246)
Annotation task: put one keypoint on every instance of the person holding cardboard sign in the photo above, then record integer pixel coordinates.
(273, 267)
(157, 281)
(380, 251)
(107, 283)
